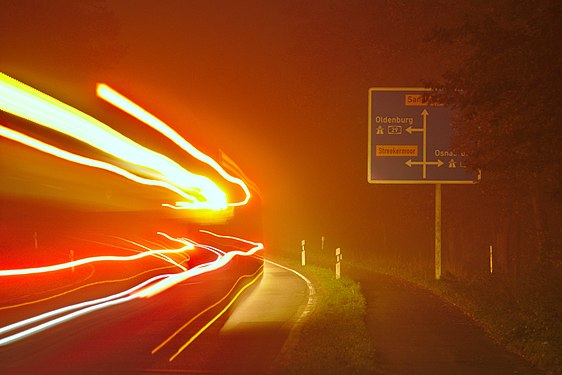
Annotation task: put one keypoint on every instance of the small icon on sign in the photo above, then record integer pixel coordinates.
(380, 130)
(394, 129)
(452, 163)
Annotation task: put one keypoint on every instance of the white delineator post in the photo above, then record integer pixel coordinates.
(303, 255)
(338, 260)
(323, 242)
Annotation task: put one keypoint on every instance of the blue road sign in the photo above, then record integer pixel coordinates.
(409, 140)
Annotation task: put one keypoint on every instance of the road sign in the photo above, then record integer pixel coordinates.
(409, 140)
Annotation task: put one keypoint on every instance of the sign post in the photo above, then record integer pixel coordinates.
(410, 143)
(437, 231)
(491, 260)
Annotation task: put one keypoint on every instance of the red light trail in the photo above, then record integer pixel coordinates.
(107, 258)
(130, 160)
(148, 288)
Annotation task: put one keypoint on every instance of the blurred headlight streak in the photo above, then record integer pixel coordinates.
(83, 287)
(221, 261)
(106, 258)
(55, 151)
(148, 288)
(23, 101)
(111, 96)
(81, 309)
(128, 159)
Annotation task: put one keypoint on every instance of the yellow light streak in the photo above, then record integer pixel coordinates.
(231, 238)
(232, 167)
(62, 154)
(23, 101)
(164, 256)
(179, 330)
(157, 244)
(221, 261)
(112, 96)
(214, 319)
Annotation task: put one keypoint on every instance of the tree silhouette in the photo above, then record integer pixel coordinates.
(506, 92)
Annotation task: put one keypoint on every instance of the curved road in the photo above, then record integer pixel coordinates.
(120, 339)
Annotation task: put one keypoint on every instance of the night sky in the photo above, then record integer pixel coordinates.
(280, 86)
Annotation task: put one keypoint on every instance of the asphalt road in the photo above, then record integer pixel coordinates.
(417, 332)
(120, 339)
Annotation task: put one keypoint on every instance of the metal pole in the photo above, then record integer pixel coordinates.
(491, 260)
(437, 231)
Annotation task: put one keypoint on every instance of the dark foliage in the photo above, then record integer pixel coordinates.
(506, 92)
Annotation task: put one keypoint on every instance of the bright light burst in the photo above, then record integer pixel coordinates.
(62, 154)
(133, 162)
(111, 96)
(146, 165)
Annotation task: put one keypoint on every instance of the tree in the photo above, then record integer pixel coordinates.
(506, 92)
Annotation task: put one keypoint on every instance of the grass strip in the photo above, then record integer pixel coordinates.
(334, 339)
(525, 320)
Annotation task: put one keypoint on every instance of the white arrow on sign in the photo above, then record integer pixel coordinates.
(411, 129)
(438, 163)
(424, 163)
